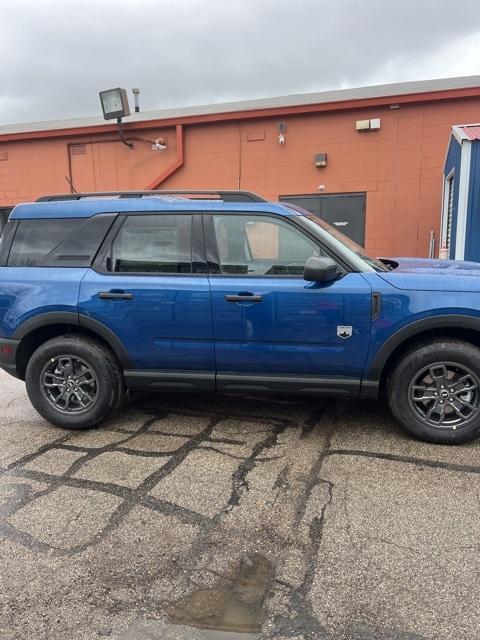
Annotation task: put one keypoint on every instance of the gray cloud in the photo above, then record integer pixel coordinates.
(55, 55)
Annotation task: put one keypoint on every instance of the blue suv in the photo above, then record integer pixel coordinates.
(103, 293)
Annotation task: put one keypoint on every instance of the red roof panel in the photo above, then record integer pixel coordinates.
(472, 131)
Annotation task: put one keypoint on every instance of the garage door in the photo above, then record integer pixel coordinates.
(344, 211)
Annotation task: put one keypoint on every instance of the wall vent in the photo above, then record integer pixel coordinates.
(78, 149)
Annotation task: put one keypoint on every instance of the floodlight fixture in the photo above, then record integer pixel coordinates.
(114, 103)
(115, 106)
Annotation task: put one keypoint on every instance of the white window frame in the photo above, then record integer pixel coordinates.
(462, 208)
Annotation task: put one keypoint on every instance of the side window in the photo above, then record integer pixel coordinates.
(71, 242)
(80, 247)
(6, 241)
(155, 243)
(4, 213)
(35, 239)
(261, 245)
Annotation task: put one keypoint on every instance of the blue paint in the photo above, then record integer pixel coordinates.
(167, 325)
(454, 162)
(183, 322)
(27, 292)
(293, 329)
(472, 244)
(410, 296)
(88, 208)
(171, 323)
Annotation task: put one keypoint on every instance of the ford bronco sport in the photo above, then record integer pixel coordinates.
(223, 291)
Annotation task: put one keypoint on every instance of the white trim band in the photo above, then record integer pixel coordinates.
(462, 209)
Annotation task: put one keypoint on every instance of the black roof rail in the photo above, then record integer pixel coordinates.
(193, 194)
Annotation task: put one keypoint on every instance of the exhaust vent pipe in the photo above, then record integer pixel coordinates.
(136, 93)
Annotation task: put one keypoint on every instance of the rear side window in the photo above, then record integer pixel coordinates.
(4, 213)
(153, 243)
(70, 242)
(6, 240)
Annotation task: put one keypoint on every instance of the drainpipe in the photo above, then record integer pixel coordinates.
(69, 178)
(92, 141)
(179, 161)
(175, 165)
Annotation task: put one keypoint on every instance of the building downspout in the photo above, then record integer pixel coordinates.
(69, 177)
(91, 141)
(175, 165)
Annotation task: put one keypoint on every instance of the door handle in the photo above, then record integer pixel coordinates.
(115, 295)
(243, 297)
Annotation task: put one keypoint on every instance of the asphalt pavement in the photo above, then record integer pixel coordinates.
(235, 517)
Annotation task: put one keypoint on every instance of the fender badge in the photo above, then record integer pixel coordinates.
(344, 331)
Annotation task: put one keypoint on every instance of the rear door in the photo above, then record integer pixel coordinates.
(150, 288)
(271, 326)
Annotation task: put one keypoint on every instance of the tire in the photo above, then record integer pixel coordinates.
(93, 391)
(434, 391)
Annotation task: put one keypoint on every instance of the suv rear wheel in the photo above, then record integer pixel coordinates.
(73, 381)
(434, 392)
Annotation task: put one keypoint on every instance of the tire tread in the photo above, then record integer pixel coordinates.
(397, 388)
(103, 358)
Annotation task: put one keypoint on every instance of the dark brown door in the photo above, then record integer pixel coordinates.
(344, 211)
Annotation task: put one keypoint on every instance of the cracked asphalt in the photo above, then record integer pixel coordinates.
(221, 517)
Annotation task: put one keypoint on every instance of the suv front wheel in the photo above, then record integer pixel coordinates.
(434, 391)
(73, 381)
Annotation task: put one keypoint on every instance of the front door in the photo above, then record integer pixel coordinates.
(149, 290)
(344, 211)
(269, 323)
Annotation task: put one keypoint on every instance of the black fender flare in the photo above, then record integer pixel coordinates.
(449, 321)
(77, 320)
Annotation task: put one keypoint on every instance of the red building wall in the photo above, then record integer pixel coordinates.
(399, 167)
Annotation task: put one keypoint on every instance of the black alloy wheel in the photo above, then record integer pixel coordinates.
(74, 381)
(445, 394)
(434, 391)
(69, 384)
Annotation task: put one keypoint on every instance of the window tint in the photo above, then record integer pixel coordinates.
(71, 242)
(153, 244)
(35, 239)
(80, 247)
(261, 245)
(4, 213)
(6, 241)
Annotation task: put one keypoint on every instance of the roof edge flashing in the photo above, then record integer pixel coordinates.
(418, 90)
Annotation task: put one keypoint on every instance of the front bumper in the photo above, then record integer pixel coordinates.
(8, 356)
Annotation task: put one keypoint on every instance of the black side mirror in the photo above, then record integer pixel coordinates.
(320, 270)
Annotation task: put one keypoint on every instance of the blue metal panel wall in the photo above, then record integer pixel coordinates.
(472, 242)
(453, 161)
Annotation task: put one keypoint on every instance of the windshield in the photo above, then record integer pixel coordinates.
(356, 253)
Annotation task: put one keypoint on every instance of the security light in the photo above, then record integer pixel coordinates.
(114, 103)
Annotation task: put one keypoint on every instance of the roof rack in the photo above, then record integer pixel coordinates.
(226, 196)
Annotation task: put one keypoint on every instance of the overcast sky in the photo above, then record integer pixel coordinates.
(55, 55)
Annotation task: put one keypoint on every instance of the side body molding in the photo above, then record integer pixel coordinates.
(76, 320)
(450, 321)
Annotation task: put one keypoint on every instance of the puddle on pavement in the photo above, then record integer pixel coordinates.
(231, 610)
